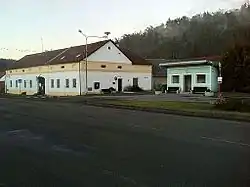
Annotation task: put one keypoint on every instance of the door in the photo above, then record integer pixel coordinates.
(41, 85)
(119, 85)
(187, 83)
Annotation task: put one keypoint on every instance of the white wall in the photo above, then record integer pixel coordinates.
(190, 70)
(214, 79)
(106, 80)
(48, 76)
(109, 53)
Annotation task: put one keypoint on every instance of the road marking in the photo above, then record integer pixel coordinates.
(225, 141)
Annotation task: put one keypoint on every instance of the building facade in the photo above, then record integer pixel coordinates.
(159, 77)
(192, 76)
(63, 72)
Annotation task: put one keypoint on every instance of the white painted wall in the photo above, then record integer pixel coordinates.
(214, 79)
(109, 53)
(48, 76)
(106, 80)
(193, 71)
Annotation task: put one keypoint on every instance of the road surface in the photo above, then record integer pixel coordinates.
(64, 144)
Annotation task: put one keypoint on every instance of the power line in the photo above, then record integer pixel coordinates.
(4, 49)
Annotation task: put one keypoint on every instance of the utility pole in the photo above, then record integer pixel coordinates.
(42, 44)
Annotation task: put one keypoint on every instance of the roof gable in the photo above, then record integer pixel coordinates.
(73, 54)
(109, 53)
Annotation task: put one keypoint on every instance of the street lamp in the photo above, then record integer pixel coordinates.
(86, 57)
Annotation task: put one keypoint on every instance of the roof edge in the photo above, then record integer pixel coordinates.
(191, 62)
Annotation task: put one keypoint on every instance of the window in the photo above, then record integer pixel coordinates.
(96, 85)
(23, 70)
(67, 83)
(52, 83)
(175, 79)
(11, 83)
(24, 83)
(58, 83)
(16, 83)
(62, 67)
(135, 81)
(30, 83)
(201, 78)
(119, 67)
(109, 47)
(74, 83)
(103, 66)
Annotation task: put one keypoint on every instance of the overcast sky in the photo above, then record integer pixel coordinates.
(24, 22)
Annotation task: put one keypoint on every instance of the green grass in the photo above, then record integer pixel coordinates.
(173, 105)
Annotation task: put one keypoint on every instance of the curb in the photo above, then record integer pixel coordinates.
(213, 115)
(232, 116)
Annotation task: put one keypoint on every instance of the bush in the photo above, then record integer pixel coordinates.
(133, 89)
(239, 105)
(160, 87)
(245, 89)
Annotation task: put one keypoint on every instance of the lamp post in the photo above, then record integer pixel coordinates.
(220, 81)
(86, 57)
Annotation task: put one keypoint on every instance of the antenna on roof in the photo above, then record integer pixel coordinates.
(42, 43)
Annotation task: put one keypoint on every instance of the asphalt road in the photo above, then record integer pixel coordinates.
(64, 144)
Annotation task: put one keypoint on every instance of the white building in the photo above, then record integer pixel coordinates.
(192, 75)
(63, 72)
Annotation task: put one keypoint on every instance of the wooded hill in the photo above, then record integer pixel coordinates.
(201, 35)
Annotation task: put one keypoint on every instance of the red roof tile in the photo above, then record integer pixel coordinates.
(68, 55)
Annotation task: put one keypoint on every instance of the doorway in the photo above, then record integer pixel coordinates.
(41, 85)
(119, 85)
(187, 83)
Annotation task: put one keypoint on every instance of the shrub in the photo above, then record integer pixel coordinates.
(160, 87)
(133, 89)
(239, 105)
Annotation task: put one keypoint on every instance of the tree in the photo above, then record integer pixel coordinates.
(201, 35)
(236, 68)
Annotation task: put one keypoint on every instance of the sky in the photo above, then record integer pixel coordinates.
(26, 23)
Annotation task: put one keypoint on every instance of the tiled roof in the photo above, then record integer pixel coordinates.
(208, 58)
(134, 58)
(68, 55)
(59, 56)
(2, 74)
(157, 71)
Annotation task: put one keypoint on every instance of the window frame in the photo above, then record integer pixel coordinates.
(66, 83)
(30, 83)
(95, 85)
(25, 84)
(201, 74)
(74, 83)
(52, 83)
(172, 79)
(58, 83)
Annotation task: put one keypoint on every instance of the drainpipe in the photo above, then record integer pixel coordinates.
(80, 81)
